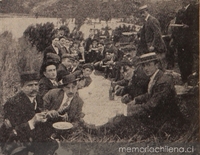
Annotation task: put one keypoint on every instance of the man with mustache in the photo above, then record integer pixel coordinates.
(64, 103)
(23, 121)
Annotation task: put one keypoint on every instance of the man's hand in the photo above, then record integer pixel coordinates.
(125, 99)
(151, 48)
(39, 117)
(53, 114)
(65, 117)
(185, 26)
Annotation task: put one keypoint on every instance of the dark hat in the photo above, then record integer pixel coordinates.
(109, 51)
(68, 56)
(48, 63)
(126, 63)
(95, 40)
(71, 78)
(29, 76)
(78, 74)
(109, 42)
(148, 57)
(101, 42)
(53, 57)
(88, 65)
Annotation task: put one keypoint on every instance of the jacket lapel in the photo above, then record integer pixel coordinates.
(158, 75)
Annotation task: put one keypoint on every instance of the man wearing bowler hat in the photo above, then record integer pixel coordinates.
(64, 103)
(158, 105)
(23, 120)
(49, 77)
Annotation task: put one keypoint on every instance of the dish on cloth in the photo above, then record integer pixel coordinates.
(62, 125)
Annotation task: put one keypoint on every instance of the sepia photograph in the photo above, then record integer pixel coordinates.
(99, 77)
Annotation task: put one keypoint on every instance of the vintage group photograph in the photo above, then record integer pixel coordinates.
(99, 77)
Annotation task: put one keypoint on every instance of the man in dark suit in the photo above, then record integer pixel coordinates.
(151, 32)
(23, 120)
(186, 39)
(49, 79)
(65, 67)
(158, 105)
(64, 101)
(53, 48)
(151, 36)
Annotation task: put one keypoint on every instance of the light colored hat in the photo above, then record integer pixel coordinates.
(148, 57)
(143, 7)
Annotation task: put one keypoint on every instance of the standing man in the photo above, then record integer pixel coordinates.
(49, 79)
(151, 36)
(23, 120)
(186, 39)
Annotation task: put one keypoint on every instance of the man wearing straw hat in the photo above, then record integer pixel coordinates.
(151, 36)
(158, 105)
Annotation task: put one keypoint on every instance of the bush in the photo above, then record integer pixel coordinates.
(40, 35)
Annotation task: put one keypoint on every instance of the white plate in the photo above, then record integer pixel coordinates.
(62, 125)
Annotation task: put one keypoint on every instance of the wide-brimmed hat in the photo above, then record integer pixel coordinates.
(29, 76)
(148, 57)
(71, 78)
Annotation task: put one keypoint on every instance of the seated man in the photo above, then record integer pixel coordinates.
(49, 79)
(23, 121)
(53, 48)
(85, 72)
(65, 67)
(64, 103)
(158, 105)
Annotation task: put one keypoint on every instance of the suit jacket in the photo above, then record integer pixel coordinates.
(151, 35)
(53, 100)
(160, 105)
(50, 49)
(186, 37)
(62, 71)
(19, 110)
(45, 85)
(138, 84)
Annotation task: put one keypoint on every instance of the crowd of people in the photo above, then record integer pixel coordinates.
(137, 74)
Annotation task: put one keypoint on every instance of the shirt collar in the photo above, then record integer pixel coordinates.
(153, 76)
(187, 6)
(53, 81)
(147, 17)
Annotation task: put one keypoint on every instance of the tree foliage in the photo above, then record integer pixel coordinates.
(40, 35)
